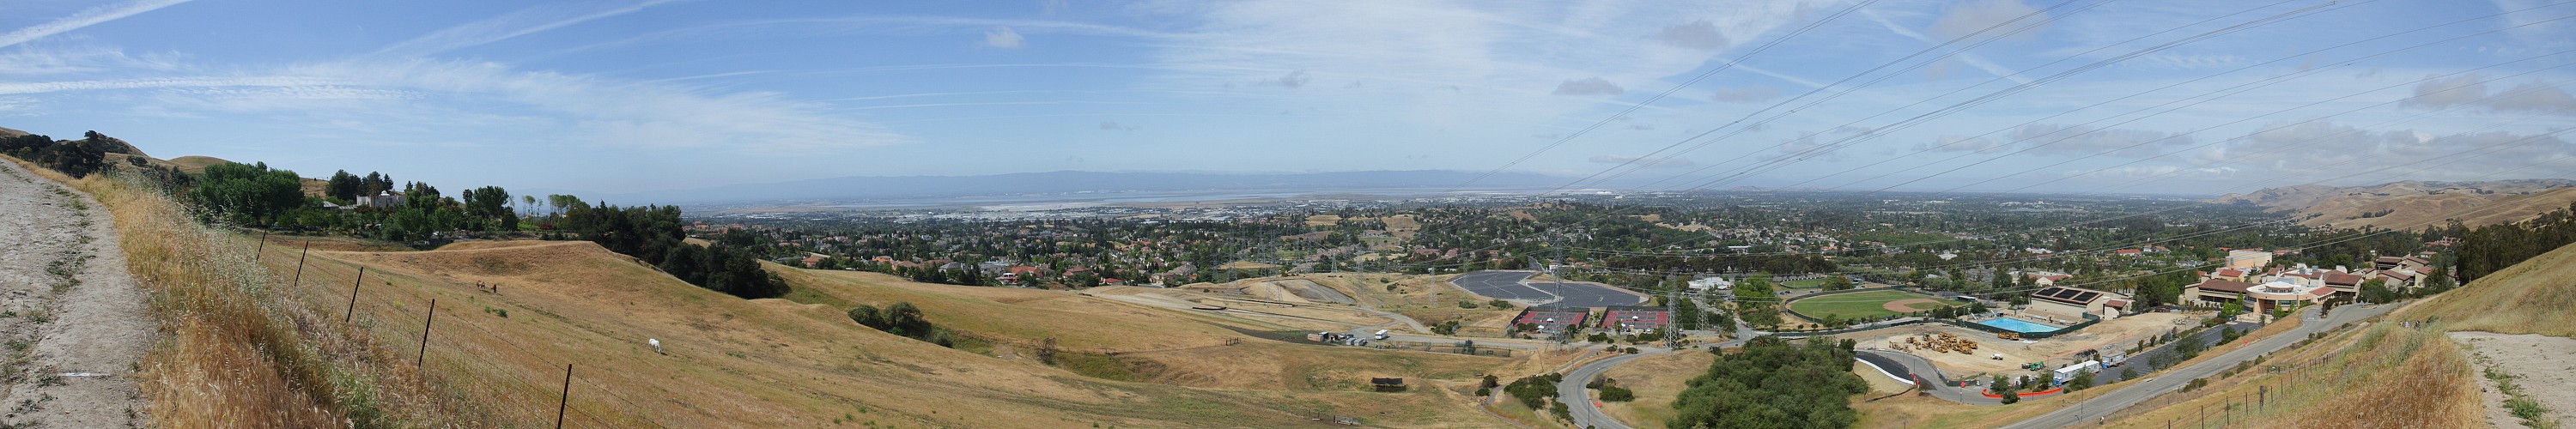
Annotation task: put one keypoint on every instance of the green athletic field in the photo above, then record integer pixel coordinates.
(1859, 304)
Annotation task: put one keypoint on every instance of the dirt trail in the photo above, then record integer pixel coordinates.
(74, 322)
(2539, 367)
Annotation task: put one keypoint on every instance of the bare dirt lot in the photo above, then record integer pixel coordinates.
(74, 319)
(2116, 334)
(2540, 370)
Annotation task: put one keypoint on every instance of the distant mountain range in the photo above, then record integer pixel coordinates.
(2412, 205)
(1059, 182)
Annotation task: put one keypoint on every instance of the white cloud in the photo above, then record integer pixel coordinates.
(1744, 94)
(514, 24)
(2079, 140)
(1699, 34)
(1114, 126)
(2287, 147)
(1002, 37)
(2534, 96)
(1962, 144)
(1643, 162)
(2065, 140)
(1590, 86)
(1962, 20)
(44, 60)
(2463, 89)
(2471, 89)
(84, 18)
(1294, 79)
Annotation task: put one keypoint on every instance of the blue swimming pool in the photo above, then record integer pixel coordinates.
(2018, 325)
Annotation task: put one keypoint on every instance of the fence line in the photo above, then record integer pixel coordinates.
(465, 363)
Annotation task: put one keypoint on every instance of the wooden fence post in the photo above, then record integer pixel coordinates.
(353, 295)
(566, 400)
(424, 334)
(299, 263)
(263, 247)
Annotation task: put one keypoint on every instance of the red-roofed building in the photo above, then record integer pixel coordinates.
(1634, 319)
(1551, 320)
(2215, 291)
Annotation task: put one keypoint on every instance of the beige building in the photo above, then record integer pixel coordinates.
(2070, 304)
(2248, 259)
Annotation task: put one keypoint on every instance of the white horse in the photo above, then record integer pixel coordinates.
(657, 345)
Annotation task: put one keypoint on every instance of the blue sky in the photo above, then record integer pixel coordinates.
(1979, 95)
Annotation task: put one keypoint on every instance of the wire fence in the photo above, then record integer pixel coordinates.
(453, 346)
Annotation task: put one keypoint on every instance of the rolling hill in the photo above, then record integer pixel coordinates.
(2412, 204)
(782, 363)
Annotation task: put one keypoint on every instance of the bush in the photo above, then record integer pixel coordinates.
(1467, 304)
(1617, 394)
(1773, 382)
(1533, 391)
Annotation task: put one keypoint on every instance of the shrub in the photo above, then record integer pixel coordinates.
(1617, 394)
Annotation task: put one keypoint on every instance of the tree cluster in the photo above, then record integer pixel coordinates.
(1774, 383)
(2488, 249)
(904, 320)
(75, 158)
(654, 233)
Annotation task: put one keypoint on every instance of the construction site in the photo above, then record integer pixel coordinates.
(1962, 352)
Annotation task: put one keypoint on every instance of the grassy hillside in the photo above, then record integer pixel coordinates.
(2533, 297)
(2408, 377)
(778, 363)
(237, 350)
(1142, 343)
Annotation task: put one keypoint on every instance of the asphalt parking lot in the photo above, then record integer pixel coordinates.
(1514, 285)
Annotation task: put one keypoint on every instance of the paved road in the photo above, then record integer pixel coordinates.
(1578, 400)
(1934, 381)
(2092, 411)
(1515, 286)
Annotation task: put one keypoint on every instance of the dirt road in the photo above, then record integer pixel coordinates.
(71, 318)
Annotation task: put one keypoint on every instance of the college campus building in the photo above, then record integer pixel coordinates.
(2072, 303)
(1624, 319)
(1551, 320)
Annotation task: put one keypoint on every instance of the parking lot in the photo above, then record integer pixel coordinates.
(1515, 286)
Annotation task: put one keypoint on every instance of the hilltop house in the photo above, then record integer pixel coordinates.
(381, 200)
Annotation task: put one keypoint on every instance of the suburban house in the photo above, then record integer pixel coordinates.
(2072, 303)
(1704, 284)
(381, 200)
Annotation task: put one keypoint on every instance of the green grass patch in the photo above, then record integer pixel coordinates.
(1098, 366)
(1858, 304)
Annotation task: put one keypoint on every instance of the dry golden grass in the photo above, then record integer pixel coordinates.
(2382, 376)
(777, 363)
(2532, 297)
(196, 164)
(237, 352)
(1656, 380)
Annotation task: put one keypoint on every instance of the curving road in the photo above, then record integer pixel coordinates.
(1578, 400)
(2161, 382)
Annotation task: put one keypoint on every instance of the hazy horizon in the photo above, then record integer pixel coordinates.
(632, 97)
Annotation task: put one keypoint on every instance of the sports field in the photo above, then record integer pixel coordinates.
(1867, 304)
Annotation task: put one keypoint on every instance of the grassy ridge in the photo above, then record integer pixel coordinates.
(2532, 297)
(2379, 376)
(235, 351)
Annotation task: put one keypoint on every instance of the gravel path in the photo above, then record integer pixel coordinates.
(72, 320)
(2540, 369)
